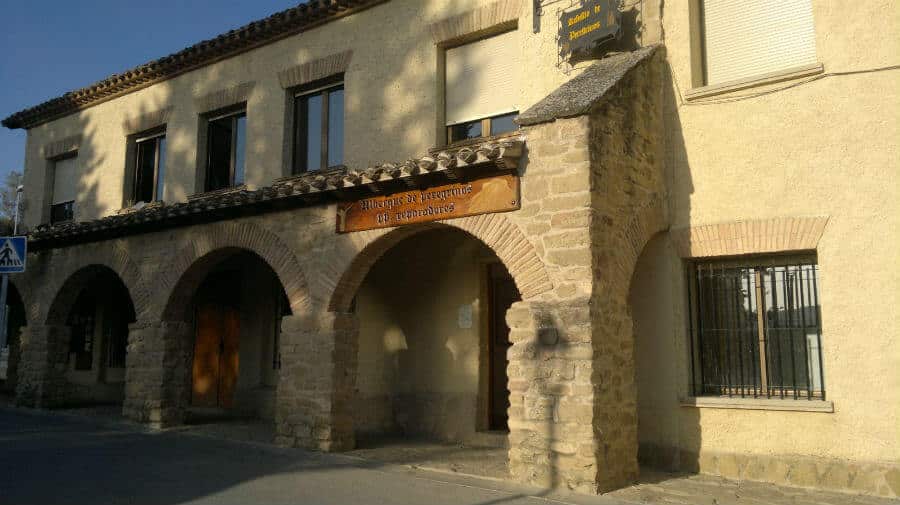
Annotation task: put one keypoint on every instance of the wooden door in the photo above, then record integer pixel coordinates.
(228, 367)
(216, 351)
(503, 293)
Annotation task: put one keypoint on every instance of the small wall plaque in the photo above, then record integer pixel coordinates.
(583, 29)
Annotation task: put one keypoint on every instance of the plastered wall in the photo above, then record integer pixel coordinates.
(419, 365)
(821, 148)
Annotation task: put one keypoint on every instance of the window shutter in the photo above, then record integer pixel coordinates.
(746, 39)
(483, 78)
(64, 180)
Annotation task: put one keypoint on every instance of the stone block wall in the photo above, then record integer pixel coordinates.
(41, 381)
(628, 208)
(158, 372)
(551, 401)
(315, 386)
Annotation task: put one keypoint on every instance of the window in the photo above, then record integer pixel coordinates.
(487, 127)
(225, 148)
(62, 200)
(115, 335)
(745, 39)
(758, 330)
(319, 129)
(149, 168)
(481, 87)
(81, 325)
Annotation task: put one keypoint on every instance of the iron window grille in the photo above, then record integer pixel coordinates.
(757, 329)
(319, 127)
(116, 338)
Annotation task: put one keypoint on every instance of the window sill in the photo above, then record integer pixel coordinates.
(760, 80)
(716, 402)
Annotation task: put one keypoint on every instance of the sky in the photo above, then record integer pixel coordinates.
(50, 47)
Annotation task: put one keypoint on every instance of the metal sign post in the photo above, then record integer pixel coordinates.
(12, 260)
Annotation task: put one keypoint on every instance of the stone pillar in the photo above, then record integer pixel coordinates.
(42, 366)
(157, 374)
(551, 415)
(615, 393)
(316, 380)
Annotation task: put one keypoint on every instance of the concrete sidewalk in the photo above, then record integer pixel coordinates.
(52, 457)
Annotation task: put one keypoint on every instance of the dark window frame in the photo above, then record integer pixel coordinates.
(155, 135)
(234, 114)
(486, 129)
(68, 208)
(69, 205)
(741, 352)
(324, 88)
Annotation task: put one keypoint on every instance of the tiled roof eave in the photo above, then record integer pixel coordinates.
(288, 192)
(258, 33)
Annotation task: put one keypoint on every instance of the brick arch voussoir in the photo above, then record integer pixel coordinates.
(645, 224)
(254, 238)
(345, 270)
(60, 291)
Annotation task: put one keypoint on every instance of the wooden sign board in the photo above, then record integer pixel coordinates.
(481, 196)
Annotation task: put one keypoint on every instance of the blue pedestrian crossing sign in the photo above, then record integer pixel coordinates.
(12, 254)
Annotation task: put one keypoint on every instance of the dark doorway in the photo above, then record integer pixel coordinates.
(502, 293)
(15, 320)
(217, 344)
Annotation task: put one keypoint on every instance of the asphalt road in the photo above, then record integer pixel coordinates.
(48, 459)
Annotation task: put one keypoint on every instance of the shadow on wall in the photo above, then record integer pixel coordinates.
(418, 368)
(669, 435)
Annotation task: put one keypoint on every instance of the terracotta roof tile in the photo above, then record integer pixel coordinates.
(305, 189)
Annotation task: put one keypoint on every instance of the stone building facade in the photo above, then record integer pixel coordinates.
(626, 187)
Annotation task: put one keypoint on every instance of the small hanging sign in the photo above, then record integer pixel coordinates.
(583, 29)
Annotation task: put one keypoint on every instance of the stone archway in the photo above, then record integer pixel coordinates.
(208, 239)
(163, 348)
(345, 270)
(44, 344)
(320, 416)
(51, 303)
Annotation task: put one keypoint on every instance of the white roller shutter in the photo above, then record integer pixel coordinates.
(750, 38)
(483, 78)
(64, 180)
